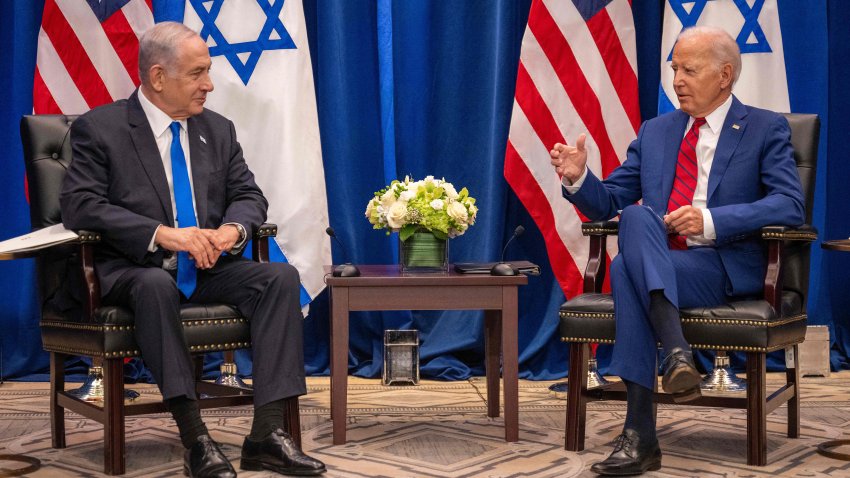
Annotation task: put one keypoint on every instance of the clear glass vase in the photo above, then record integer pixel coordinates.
(424, 252)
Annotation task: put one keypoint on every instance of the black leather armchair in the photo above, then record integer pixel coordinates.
(106, 334)
(775, 321)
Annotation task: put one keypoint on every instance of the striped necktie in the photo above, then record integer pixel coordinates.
(685, 182)
(186, 272)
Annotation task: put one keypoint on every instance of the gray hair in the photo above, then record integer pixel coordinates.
(723, 46)
(158, 46)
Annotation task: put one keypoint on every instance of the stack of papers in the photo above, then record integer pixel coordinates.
(39, 239)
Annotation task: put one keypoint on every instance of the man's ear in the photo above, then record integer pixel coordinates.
(726, 76)
(157, 77)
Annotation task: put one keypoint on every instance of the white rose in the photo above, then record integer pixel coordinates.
(370, 208)
(388, 199)
(451, 193)
(437, 204)
(406, 196)
(457, 212)
(396, 215)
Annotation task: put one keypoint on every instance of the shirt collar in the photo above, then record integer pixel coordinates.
(158, 119)
(716, 118)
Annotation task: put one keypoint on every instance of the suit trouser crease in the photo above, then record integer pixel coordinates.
(267, 294)
(688, 278)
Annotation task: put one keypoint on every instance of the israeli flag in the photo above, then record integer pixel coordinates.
(754, 24)
(264, 83)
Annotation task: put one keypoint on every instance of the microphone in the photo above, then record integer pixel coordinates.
(343, 270)
(503, 268)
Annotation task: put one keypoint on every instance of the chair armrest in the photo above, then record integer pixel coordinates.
(775, 236)
(600, 228)
(594, 274)
(805, 232)
(260, 246)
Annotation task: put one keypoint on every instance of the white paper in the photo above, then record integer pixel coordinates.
(38, 239)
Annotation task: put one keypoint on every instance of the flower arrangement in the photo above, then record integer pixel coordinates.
(431, 204)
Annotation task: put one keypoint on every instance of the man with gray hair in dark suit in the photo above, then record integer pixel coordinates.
(164, 181)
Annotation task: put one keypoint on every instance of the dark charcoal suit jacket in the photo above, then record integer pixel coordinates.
(116, 184)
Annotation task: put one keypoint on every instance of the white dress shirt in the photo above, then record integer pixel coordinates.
(709, 135)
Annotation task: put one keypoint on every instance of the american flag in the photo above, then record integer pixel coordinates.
(577, 73)
(88, 53)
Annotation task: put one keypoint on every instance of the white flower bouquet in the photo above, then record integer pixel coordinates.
(428, 204)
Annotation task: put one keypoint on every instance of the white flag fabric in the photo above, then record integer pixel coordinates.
(755, 26)
(264, 83)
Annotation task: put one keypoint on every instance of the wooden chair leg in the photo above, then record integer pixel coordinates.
(113, 409)
(57, 412)
(756, 409)
(792, 376)
(292, 418)
(576, 396)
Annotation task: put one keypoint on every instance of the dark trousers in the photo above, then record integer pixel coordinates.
(266, 294)
(688, 278)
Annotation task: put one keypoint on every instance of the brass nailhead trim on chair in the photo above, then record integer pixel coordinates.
(596, 231)
(73, 351)
(791, 236)
(587, 315)
(586, 340)
(750, 323)
(196, 323)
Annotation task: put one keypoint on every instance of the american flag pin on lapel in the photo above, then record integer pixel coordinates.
(734, 126)
(205, 141)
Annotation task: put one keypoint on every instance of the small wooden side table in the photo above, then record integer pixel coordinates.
(385, 287)
(826, 447)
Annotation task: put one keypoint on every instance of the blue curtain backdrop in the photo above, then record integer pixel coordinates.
(421, 87)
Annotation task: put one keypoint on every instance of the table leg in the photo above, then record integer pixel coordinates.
(492, 365)
(339, 362)
(510, 366)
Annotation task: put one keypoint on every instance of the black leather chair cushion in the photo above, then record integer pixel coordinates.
(746, 325)
(207, 328)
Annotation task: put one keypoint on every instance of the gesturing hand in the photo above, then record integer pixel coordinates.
(189, 239)
(570, 161)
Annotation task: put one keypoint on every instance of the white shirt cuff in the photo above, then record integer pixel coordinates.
(152, 247)
(572, 188)
(708, 231)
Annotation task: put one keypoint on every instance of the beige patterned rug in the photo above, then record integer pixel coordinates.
(439, 429)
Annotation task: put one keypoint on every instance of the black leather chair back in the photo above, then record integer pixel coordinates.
(805, 132)
(47, 155)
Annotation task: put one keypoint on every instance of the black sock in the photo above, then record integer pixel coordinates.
(640, 413)
(188, 417)
(665, 321)
(267, 418)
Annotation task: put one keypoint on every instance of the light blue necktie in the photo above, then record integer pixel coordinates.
(186, 272)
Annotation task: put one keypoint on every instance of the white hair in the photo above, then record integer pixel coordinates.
(158, 46)
(724, 48)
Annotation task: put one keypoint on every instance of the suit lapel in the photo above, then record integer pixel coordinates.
(671, 155)
(200, 170)
(148, 153)
(730, 136)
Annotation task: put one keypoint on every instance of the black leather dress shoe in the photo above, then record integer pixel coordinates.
(205, 460)
(278, 452)
(630, 457)
(681, 378)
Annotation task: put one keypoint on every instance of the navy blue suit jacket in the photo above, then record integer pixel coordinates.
(753, 183)
(116, 184)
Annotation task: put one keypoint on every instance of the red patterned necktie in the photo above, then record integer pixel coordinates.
(685, 182)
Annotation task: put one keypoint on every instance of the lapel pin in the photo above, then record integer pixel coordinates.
(734, 126)
(205, 141)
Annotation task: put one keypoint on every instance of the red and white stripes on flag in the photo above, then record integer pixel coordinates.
(85, 61)
(577, 73)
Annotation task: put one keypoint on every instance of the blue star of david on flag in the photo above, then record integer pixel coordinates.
(751, 26)
(104, 9)
(254, 49)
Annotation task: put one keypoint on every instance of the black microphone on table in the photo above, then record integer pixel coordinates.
(503, 268)
(343, 270)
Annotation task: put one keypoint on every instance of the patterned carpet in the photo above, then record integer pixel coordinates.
(439, 429)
